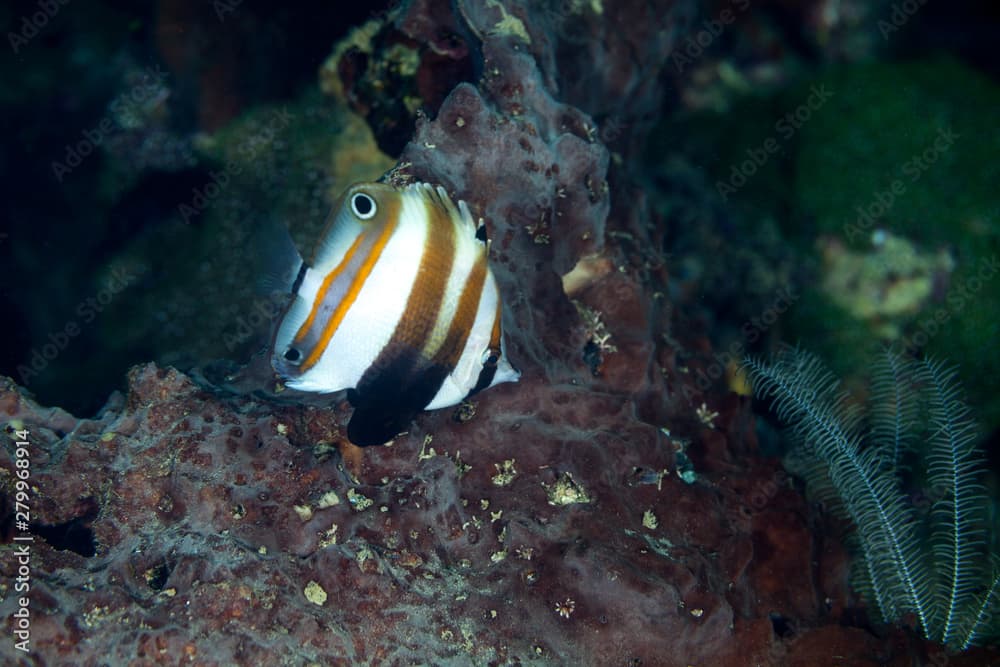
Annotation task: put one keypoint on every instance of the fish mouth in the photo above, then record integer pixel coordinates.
(285, 372)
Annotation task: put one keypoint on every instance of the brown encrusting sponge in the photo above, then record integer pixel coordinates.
(550, 526)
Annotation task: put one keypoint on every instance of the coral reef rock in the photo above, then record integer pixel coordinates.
(180, 526)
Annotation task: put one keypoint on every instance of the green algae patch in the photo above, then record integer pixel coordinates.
(911, 147)
(910, 150)
(840, 163)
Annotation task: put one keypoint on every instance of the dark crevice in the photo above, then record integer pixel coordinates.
(74, 535)
(156, 577)
(783, 627)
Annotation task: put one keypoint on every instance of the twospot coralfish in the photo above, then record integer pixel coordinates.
(398, 305)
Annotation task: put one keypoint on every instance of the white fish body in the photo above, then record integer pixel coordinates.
(399, 306)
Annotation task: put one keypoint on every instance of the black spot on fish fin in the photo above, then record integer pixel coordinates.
(486, 375)
(372, 426)
(481, 233)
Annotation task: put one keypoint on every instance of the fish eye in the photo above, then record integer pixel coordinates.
(292, 355)
(363, 206)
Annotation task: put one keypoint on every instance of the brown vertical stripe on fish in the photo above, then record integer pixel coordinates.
(427, 296)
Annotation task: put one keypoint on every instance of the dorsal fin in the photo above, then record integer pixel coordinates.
(281, 265)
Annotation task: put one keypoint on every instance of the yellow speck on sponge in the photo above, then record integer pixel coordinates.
(315, 593)
(329, 499)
